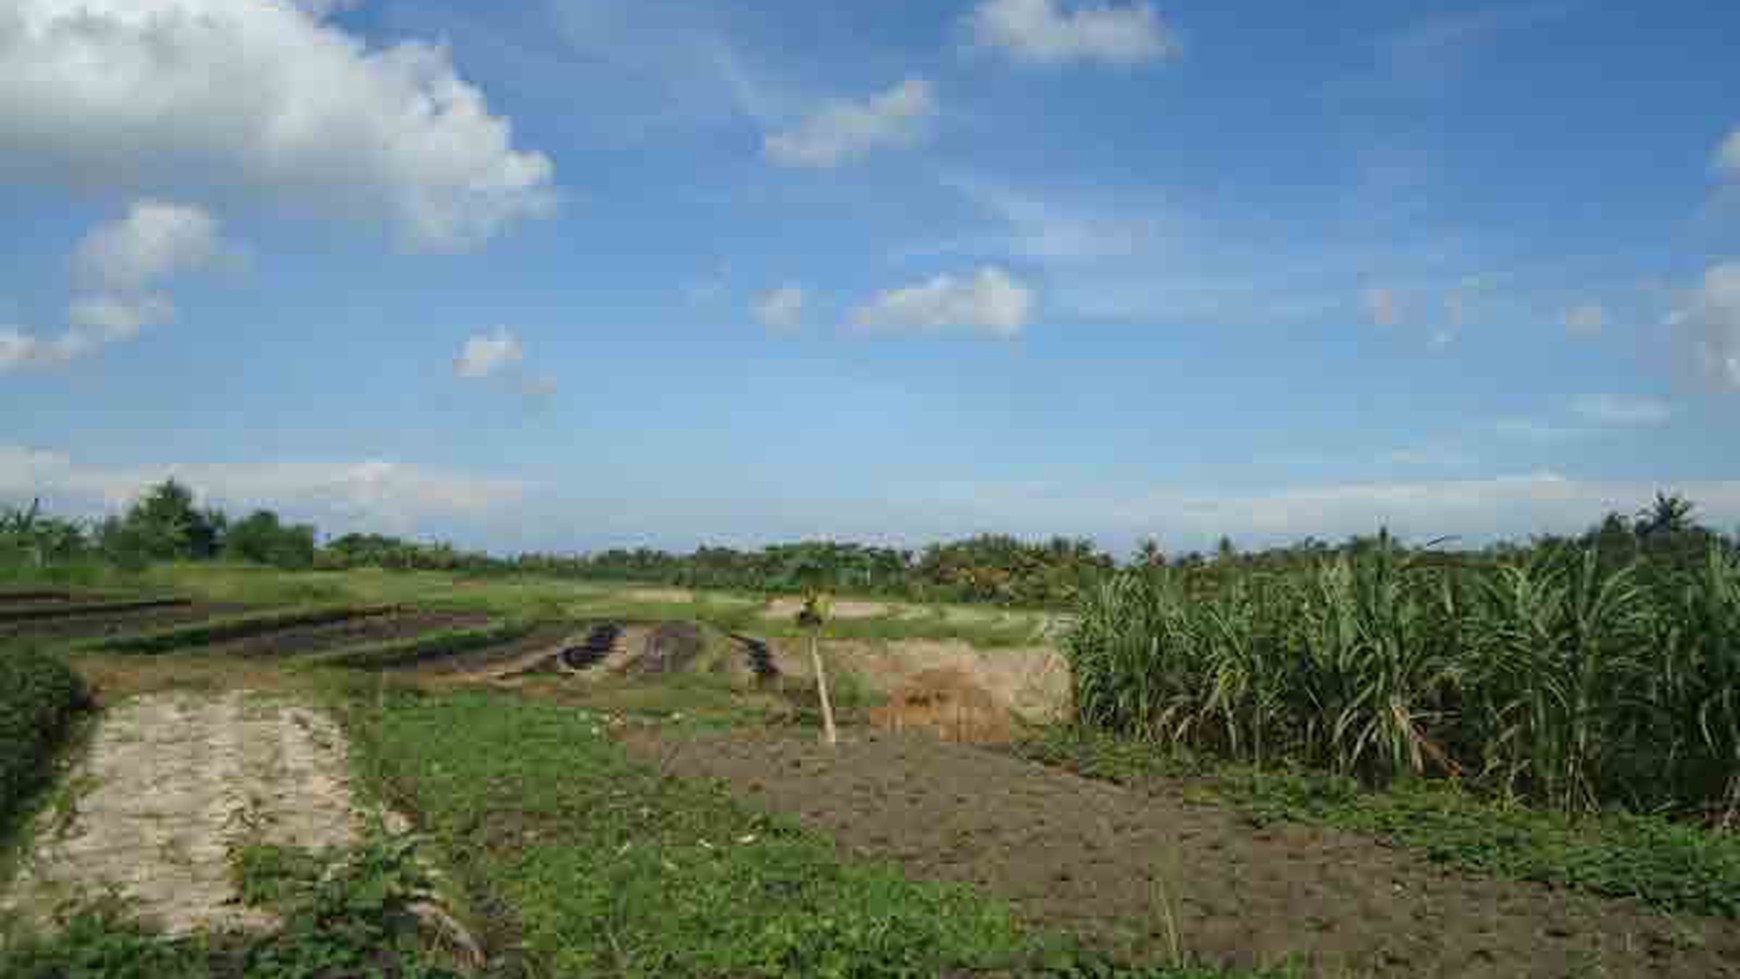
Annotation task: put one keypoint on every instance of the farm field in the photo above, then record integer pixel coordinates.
(550, 779)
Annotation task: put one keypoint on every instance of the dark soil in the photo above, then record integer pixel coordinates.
(1128, 868)
(490, 657)
(302, 640)
(115, 623)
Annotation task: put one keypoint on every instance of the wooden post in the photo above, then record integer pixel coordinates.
(830, 733)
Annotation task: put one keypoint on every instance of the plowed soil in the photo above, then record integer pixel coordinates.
(303, 640)
(1131, 867)
(115, 623)
(490, 658)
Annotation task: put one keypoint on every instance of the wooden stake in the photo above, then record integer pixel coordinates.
(831, 734)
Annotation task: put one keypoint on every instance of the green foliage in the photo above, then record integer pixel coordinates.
(346, 914)
(39, 696)
(100, 942)
(1669, 865)
(165, 525)
(30, 539)
(224, 629)
(262, 539)
(612, 868)
(1551, 676)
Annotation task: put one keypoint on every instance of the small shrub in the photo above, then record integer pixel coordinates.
(39, 696)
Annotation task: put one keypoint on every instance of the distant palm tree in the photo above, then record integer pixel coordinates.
(1670, 514)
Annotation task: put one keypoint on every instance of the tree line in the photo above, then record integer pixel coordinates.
(166, 523)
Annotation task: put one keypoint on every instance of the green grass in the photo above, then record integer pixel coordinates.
(1671, 866)
(596, 865)
(224, 629)
(412, 649)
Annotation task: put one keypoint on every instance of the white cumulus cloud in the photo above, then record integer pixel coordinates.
(843, 131)
(265, 95)
(488, 354)
(1059, 31)
(782, 308)
(990, 302)
(1711, 319)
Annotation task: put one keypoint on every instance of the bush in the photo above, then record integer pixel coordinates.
(39, 696)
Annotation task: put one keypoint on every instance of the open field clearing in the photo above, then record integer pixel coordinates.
(646, 795)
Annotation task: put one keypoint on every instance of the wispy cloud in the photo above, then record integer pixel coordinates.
(1708, 320)
(1051, 229)
(1048, 32)
(1621, 409)
(1382, 306)
(844, 131)
(1584, 320)
(990, 303)
(121, 268)
(1535, 430)
(373, 494)
(1430, 55)
(781, 309)
(488, 354)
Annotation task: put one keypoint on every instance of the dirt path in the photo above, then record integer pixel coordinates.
(1122, 864)
(170, 783)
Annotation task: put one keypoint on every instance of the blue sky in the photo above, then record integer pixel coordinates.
(576, 273)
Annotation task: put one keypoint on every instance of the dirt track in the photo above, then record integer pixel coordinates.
(1121, 864)
(171, 782)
